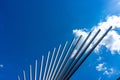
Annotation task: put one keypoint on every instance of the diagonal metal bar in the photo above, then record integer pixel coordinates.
(64, 59)
(51, 63)
(88, 53)
(73, 59)
(30, 72)
(54, 62)
(24, 75)
(64, 69)
(59, 60)
(18, 77)
(35, 70)
(46, 66)
(64, 63)
(41, 67)
(81, 54)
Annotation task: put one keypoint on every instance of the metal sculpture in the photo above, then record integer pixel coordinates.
(64, 62)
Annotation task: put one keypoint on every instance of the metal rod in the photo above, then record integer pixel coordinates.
(63, 67)
(41, 67)
(59, 60)
(64, 59)
(88, 53)
(79, 56)
(35, 70)
(30, 72)
(67, 62)
(51, 63)
(18, 77)
(54, 63)
(73, 59)
(24, 75)
(46, 66)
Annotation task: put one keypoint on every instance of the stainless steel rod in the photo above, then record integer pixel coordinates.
(41, 67)
(18, 77)
(88, 53)
(44, 76)
(59, 60)
(35, 70)
(67, 62)
(51, 63)
(81, 54)
(54, 62)
(79, 49)
(24, 75)
(64, 59)
(30, 72)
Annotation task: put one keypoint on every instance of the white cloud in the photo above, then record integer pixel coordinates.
(80, 32)
(99, 58)
(106, 70)
(101, 67)
(109, 72)
(112, 39)
(1, 65)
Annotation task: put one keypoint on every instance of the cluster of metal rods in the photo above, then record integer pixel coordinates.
(63, 63)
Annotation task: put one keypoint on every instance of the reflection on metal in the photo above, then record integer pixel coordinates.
(63, 63)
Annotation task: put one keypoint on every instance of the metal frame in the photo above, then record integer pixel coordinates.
(61, 66)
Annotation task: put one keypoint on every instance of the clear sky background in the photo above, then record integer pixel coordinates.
(30, 28)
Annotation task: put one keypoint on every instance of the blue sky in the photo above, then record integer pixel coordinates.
(30, 28)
